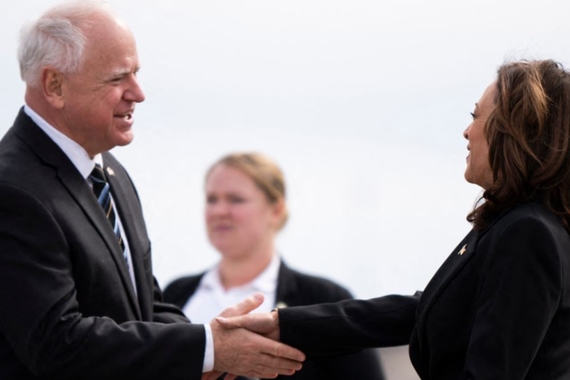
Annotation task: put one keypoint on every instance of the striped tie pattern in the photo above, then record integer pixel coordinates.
(102, 192)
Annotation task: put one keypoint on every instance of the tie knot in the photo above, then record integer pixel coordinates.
(100, 185)
(101, 189)
(98, 174)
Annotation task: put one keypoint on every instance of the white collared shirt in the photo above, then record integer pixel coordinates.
(210, 298)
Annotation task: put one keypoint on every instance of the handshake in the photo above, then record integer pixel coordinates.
(248, 344)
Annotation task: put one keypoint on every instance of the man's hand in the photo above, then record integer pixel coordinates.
(242, 352)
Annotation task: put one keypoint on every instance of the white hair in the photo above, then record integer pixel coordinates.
(57, 39)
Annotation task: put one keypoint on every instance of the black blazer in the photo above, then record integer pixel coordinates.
(498, 308)
(67, 306)
(297, 289)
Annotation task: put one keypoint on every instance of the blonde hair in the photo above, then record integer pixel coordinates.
(263, 171)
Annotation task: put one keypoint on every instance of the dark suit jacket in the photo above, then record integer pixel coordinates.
(498, 308)
(297, 289)
(67, 306)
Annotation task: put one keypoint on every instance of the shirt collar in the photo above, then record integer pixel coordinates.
(75, 152)
(265, 282)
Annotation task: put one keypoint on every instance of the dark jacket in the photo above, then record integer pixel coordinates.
(498, 308)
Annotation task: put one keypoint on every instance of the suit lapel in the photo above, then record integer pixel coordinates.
(78, 189)
(449, 269)
(84, 196)
(286, 287)
(452, 266)
(460, 256)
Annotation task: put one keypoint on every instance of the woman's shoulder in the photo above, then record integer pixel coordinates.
(186, 280)
(312, 288)
(181, 288)
(528, 227)
(532, 213)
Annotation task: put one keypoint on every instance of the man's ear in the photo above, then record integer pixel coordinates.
(52, 86)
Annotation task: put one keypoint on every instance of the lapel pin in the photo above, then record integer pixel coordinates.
(462, 250)
(110, 171)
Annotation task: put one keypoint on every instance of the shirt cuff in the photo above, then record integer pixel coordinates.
(209, 351)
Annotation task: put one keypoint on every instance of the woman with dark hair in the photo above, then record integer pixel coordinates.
(499, 306)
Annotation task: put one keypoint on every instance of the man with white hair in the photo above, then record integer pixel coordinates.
(78, 299)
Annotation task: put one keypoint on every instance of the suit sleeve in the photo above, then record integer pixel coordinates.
(348, 326)
(520, 292)
(363, 364)
(39, 316)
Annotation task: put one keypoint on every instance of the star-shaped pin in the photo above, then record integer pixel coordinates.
(110, 171)
(462, 250)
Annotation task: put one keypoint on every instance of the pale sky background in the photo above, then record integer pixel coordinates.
(362, 104)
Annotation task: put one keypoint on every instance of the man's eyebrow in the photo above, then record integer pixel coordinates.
(122, 72)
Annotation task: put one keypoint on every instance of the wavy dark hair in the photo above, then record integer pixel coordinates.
(528, 134)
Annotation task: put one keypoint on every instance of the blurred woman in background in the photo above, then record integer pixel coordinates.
(245, 210)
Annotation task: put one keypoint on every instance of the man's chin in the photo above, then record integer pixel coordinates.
(125, 139)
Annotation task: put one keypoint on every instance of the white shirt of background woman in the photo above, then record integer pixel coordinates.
(211, 298)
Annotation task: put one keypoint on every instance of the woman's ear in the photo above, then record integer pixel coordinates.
(279, 211)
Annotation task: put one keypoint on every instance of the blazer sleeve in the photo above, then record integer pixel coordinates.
(364, 364)
(520, 292)
(348, 326)
(39, 317)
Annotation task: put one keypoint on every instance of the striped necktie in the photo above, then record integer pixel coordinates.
(102, 192)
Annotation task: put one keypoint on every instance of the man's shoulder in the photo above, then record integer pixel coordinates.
(19, 166)
(21, 158)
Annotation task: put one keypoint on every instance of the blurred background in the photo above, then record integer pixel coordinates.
(362, 103)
